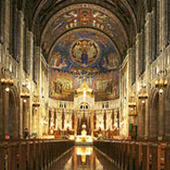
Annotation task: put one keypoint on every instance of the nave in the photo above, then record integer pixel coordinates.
(83, 158)
(68, 155)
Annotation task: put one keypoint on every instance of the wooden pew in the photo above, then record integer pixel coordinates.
(167, 157)
(137, 155)
(2, 156)
(31, 154)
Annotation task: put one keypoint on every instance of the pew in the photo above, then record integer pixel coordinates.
(136, 155)
(31, 154)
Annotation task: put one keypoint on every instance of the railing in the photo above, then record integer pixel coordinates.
(31, 154)
(137, 155)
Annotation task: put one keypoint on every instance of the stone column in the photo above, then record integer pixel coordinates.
(21, 25)
(148, 59)
(38, 116)
(167, 113)
(161, 117)
(163, 24)
(7, 23)
(2, 21)
(15, 131)
(38, 122)
(35, 121)
(141, 119)
(29, 52)
(92, 123)
(1, 112)
(6, 112)
(25, 112)
(75, 123)
(138, 53)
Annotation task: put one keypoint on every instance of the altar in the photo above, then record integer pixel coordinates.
(84, 139)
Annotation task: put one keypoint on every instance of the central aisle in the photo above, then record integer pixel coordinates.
(83, 158)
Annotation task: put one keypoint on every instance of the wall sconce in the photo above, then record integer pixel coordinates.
(37, 104)
(161, 82)
(143, 96)
(132, 106)
(6, 81)
(25, 95)
(25, 100)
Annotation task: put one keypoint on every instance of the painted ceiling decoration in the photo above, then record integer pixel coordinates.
(84, 15)
(84, 39)
(84, 49)
(127, 12)
(119, 19)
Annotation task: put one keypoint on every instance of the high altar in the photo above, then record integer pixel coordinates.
(84, 119)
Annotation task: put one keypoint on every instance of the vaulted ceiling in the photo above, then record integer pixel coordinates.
(115, 21)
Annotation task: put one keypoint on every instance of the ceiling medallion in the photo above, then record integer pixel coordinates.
(84, 52)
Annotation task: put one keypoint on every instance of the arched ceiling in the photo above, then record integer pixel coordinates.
(84, 16)
(86, 49)
(118, 21)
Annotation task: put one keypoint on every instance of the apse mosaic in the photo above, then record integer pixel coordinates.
(84, 52)
(81, 49)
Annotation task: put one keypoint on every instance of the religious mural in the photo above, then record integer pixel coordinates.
(84, 52)
(108, 83)
(84, 15)
(102, 83)
(84, 49)
(59, 83)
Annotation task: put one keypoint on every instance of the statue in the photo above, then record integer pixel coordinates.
(84, 57)
(83, 132)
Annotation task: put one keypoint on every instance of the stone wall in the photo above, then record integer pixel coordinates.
(135, 77)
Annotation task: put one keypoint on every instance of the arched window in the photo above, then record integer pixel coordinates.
(84, 106)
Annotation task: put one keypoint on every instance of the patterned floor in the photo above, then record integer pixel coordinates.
(83, 158)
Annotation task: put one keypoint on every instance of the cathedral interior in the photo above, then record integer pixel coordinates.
(88, 71)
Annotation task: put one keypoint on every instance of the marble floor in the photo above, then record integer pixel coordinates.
(83, 158)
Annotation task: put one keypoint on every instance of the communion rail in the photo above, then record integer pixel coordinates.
(136, 155)
(31, 154)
